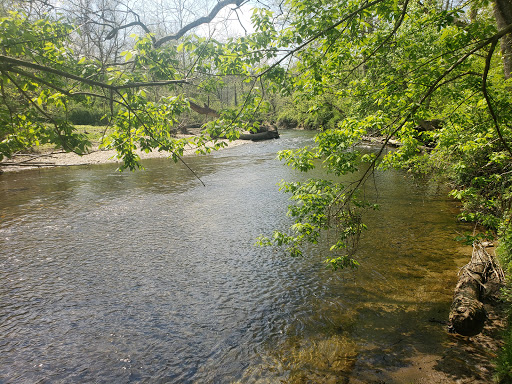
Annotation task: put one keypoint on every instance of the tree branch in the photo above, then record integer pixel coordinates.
(42, 112)
(488, 99)
(319, 34)
(198, 22)
(433, 87)
(162, 145)
(83, 80)
(393, 32)
(116, 30)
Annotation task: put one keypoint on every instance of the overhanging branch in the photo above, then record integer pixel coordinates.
(27, 64)
(320, 34)
(488, 99)
(433, 87)
(393, 32)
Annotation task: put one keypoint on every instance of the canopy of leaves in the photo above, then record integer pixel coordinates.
(429, 75)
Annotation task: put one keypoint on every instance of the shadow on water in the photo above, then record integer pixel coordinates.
(150, 277)
(371, 324)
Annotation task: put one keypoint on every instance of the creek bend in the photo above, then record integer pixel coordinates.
(114, 277)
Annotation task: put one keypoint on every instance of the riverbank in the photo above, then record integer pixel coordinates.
(48, 159)
(461, 360)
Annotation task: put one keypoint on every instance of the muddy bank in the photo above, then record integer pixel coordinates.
(463, 359)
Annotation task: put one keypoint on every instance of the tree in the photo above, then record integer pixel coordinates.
(429, 75)
(54, 57)
(394, 69)
(433, 75)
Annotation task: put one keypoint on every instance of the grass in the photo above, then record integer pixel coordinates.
(93, 132)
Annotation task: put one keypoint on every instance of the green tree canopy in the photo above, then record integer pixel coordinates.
(433, 76)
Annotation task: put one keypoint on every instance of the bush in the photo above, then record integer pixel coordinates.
(287, 122)
(80, 115)
(287, 119)
(504, 251)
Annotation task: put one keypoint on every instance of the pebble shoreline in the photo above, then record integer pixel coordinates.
(62, 159)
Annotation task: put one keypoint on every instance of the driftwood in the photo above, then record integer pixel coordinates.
(467, 312)
(268, 135)
(203, 110)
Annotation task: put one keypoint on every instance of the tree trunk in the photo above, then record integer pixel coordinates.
(467, 313)
(503, 15)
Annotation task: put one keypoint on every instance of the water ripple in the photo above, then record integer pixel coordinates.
(150, 277)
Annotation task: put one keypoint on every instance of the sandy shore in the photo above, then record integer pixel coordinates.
(63, 159)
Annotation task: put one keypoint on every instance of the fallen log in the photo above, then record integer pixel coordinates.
(206, 110)
(268, 135)
(467, 312)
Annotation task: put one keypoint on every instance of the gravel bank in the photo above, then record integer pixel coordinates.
(63, 159)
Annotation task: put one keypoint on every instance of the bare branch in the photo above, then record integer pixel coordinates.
(240, 22)
(198, 22)
(115, 31)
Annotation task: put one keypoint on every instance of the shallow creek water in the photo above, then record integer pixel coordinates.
(114, 277)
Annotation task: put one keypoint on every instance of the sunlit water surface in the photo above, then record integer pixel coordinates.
(114, 277)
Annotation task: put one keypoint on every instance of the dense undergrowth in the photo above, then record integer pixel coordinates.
(504, 251)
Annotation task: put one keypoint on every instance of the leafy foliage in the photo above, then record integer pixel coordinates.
(425, 74)
(429, 76)
(28, 104)
(419, 74)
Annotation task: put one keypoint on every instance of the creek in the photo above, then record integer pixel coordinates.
(112, 277)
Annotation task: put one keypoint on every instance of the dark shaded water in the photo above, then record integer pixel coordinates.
(151, 277)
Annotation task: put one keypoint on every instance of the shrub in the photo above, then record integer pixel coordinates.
(80, 115)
